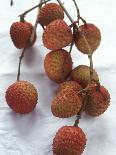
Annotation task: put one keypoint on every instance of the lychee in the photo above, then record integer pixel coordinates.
(49, 13)
(69, 140)
(22, 97)
(57, 35)
(20, 33)
(58, 65)
(81, 74)
(92, 35)
(98, 101)
(67, 103)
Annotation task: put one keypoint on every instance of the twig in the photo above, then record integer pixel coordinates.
(72, 43)
(71, 46)
(36, 22)
(45, 2)
(77, 8)
(11, 2)
(19, 66)
(78, 13)
(36, 6)
(66, 12)
(80, 113)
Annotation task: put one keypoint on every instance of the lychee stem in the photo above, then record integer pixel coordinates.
(78, 13)
(66, 12)
(80, 113)
(72, 43)
(36, 22)
(91, 66)
(11, 3)
(19, 66)
(45, 2)
(29, 10)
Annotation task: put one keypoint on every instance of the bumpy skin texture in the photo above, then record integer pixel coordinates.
(81, 74)
(69, 140)
(20, 33)
(57, 35)
(69, 85)
(93, 36)
(58, 65)
(49, 13)
(22, 97)
(98, 101)
(66, 104)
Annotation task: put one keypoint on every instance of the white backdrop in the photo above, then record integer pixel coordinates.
(32, 134)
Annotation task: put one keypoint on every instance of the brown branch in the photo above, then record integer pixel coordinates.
(66, 12)
(36, 22)
(36, 6)
(72, 43)
(45, 2)
(11, 2)
(80, 113)
(78, 13)
(19, 66)
(77, 8)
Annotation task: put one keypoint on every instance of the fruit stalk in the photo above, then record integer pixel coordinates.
(36, 6)
(72, 43)
(36, 22)
(11, 3)
(19, 66)
(84, 91)
(66, 12)
(78, 11)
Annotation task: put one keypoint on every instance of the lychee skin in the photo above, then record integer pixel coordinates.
(21, 97)
(92, 35)
(69, 140)
(57, 35)
(49, 13)
(58, 65)
(98, 101)
(81, 74)
(66, 104)
(20, 33)
(69, 85)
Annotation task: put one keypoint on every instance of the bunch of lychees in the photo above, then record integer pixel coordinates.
(79, 89)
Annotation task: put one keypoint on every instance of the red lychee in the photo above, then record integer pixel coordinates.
(69, 140)
(92, 35)
(58, 65)
(81, 74)
(20, 33)
(57, 35)
(67, 103)
(49, 13)
(98, 101)
(22, 97)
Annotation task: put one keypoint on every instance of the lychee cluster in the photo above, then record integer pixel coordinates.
(79, 87)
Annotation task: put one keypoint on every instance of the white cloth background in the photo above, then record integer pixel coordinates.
(32, 134)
